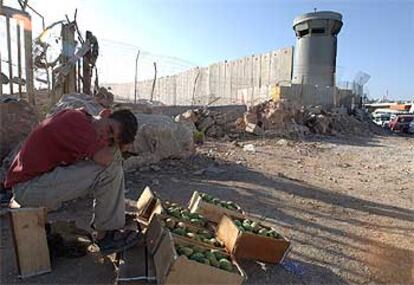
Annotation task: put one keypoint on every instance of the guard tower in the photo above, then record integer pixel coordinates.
(315, 52)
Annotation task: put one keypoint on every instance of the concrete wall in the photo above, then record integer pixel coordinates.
(242, 81)
(311, 95)
(173, 111)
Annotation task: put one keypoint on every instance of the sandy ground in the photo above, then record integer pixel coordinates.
(346, 204)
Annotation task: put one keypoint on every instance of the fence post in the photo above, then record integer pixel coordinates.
(153, 82)
(136, 77)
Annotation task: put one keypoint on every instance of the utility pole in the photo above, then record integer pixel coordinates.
(136, 77)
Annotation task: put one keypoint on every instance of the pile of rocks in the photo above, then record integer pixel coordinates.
(286, 119)
(18, 118)
(213, 123)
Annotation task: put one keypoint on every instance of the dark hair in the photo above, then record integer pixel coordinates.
(129, 125)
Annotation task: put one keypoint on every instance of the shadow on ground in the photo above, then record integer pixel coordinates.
(323, 226)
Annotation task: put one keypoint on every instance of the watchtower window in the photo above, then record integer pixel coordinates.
(303, 33)
(318, 31)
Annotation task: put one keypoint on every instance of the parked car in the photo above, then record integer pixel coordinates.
(401, 123)
(382, 117)
(411, 128)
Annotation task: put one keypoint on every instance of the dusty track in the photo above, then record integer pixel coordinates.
(347, 205)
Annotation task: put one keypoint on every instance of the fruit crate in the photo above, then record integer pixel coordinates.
(245, 244)
(209, 210)
(180, 262)
(148, 205)
(160, 224)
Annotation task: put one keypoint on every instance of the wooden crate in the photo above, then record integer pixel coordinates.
(30, 243)
(174, 269)
(246, 245)
(136, 266)
(156, 230)
(148, 205)
(210, 211)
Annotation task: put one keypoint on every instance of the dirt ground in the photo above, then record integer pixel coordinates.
(346, 204)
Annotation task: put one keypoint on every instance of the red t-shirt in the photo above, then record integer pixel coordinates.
(61, 140)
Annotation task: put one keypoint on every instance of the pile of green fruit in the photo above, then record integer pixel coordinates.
(179, 228)
(254, 227)
(216, 201)
(211, 257)
(184, 214)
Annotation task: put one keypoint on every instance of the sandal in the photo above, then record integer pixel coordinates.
(117, 241)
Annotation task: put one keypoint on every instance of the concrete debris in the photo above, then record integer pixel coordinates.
(212, 122)
(249, 148)
(21, 118)
(92, 104)
(282, 142)
(254, 129)
(285, 119)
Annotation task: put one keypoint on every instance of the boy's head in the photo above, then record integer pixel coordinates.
(124, 126)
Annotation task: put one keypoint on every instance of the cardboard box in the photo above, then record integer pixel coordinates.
(156, 230)
(247, 245)
(148, 205)
(210, 211)
(171, 268)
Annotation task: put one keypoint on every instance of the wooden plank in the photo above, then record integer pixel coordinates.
(68, 50)
(29, 236)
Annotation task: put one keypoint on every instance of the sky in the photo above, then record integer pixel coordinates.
(377, 36)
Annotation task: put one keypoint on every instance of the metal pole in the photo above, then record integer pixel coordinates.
(19, 58)
(9, 54)
(136, 77)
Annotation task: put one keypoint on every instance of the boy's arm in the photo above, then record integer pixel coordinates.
(104, 156)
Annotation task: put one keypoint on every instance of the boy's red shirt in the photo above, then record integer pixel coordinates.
(63, 139)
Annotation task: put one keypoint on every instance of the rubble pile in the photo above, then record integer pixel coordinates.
(212, 123)
(93, 104)
(19, 118)
(285, 119)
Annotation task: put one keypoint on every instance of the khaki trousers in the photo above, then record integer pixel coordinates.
(70, 182)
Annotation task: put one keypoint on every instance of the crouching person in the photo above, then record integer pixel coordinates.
(72, 154)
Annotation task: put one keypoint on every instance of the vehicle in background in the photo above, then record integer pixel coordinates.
(411, 128)
(382, 117)
(401, 123)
